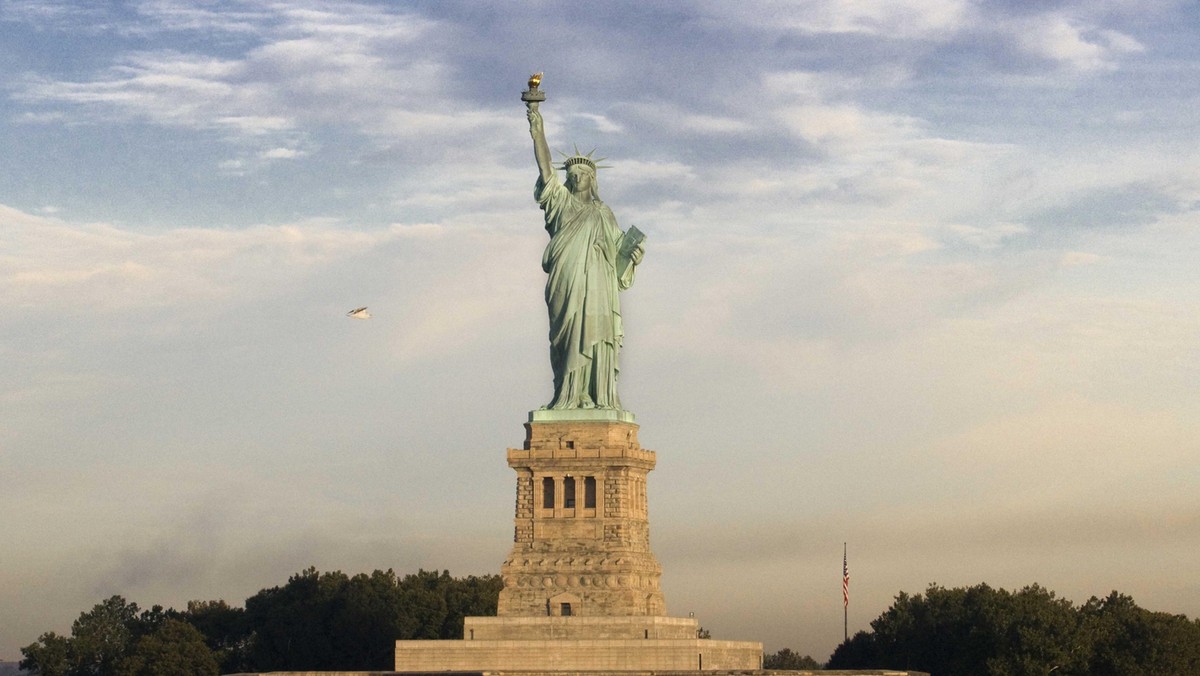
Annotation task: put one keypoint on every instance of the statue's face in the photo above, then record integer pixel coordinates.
(579, 179)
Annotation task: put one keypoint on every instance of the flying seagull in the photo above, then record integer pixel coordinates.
(359, 313)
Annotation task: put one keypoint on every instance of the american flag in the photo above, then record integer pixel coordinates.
(845, 581)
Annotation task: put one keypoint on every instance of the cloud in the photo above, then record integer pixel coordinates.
(232, 167)
(175, 16)
(55, 15)
(986, 237)
(85, 298)
(167, 88)
(281, 154)
(866, 160)
(312, 66)
(1072, 40)
(189, 538)
(844, 124)
(961, 528)
(603, 124)
(656, 171)
(1072, 259)
(677, 122)
(906, 19)
(1072, 449)
(1057, 38)
(96, 267)
(1121, 205)
(409, 124)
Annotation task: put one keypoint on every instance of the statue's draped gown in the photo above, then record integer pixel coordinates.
(581, 297)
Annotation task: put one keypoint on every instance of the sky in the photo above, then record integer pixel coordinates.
(920, 278)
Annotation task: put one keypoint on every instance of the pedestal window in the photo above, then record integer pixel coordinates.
(568, 493)
(589, 492)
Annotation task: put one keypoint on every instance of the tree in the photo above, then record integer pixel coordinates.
(225, 630)
(367, 622)
(423, 605)
(317, 621)
(786, 659)
(291, 622)
(100, 638)
(174, 647)
(331, 621)
(973, 630)
(49, 656)
(980, 630)
(471, 596)
(1130, 641)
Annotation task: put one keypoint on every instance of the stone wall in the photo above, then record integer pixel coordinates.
(548, 628)
(571, 555)
(577, 655)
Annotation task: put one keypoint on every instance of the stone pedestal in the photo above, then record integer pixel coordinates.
(581, 544)
(581, 586)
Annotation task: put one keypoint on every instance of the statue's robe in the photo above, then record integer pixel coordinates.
(581, 297)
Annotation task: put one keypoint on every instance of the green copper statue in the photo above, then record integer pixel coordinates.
(588, 260)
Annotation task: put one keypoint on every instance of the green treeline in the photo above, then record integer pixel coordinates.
(330, 621)
(317, 621)
(993, 632)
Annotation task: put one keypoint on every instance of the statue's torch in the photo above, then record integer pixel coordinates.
(533, 96)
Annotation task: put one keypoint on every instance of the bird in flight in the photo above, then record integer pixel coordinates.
(359, 313)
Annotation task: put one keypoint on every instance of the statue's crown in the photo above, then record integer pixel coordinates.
(579, 158)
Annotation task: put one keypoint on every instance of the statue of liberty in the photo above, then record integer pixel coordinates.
(588, 260)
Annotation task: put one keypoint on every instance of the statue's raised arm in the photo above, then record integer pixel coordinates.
(587, 261)
(541, 151)
(537, 129)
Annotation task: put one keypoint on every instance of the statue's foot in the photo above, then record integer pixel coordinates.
(587, 403)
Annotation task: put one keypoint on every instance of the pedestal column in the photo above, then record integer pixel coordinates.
(581, 544)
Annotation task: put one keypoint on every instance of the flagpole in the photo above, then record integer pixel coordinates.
(845, 597)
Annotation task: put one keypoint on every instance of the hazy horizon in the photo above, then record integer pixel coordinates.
(920, 277)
